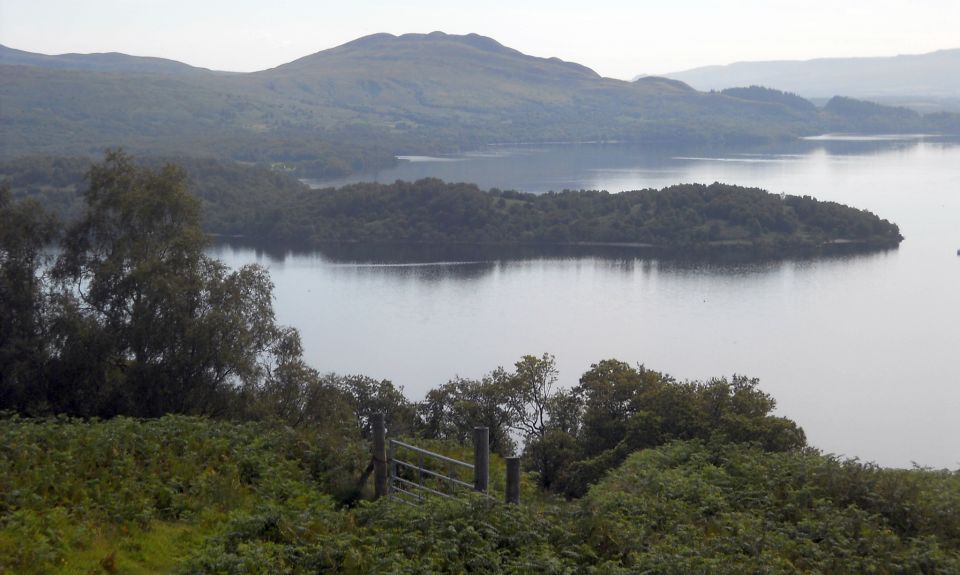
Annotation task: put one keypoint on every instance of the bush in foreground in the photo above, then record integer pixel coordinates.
(192, 495)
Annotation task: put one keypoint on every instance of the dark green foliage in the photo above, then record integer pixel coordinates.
(25, 231)
(627, 409)
(522, 402)
(367, 396)
(687, 508)
(573, 438)
(679, 216)
(258, 204)
(235, 199)
(451, 411)
(244, 498)
(442, 537)
(134, 318)
(64, 481)
(146, 323)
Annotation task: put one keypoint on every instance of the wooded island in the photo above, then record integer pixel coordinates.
(274, 208)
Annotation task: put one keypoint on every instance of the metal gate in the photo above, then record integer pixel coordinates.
(431, 474)
(408, 473)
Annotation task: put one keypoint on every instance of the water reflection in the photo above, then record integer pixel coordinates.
(459, 262)
(616, 167)
(859, 348)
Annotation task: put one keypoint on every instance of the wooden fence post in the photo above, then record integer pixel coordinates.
(481, 458)
(379, 456)
(513, 480)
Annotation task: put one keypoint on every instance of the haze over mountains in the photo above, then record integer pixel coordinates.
(921, 80)
(357, 105)
(108, 62)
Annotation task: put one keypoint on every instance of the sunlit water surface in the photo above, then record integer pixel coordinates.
(862, 350)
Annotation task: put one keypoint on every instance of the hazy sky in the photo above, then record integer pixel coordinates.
(618, 38)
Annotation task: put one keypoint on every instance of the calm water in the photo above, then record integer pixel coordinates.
(862, 350)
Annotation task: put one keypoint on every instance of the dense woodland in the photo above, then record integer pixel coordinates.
(674, 217)
(268, 206)
(157, 419)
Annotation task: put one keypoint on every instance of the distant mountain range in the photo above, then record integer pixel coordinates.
(114, 62)
(355, 106)
(908, 79)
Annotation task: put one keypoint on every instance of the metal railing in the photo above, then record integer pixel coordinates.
(402, 479)
(411, 482)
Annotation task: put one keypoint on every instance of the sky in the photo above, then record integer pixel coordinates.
(617, 38)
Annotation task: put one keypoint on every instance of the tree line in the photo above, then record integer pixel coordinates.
(130, 317)
(680, 216)
(263, 205)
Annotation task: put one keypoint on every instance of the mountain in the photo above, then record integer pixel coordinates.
(905, 79)
(114, 62)
(355, 106)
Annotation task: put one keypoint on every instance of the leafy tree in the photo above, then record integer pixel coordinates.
(735, 410)
(147, 324)
(529, 392)
(368, 396)
(297, 395)
(25, 231)
(612, 391)
(629, 409)
(455, 408)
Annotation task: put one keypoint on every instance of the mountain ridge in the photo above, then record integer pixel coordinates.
(886, 79)
(110, 62)
(357, 105)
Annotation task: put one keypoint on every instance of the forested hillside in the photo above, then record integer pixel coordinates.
(355, 106)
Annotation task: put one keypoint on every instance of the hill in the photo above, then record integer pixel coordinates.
(928, 81)
(111, 62)
(355, 106)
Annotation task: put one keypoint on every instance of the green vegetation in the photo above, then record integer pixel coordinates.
(139, 496)
(190, 495)
(132, 318)
(235, 199)
(355, 106)
(761, 94)
(267, 206)
(847, 114)
(245, 460)
(674, 217)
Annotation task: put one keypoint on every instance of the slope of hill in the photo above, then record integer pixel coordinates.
(760, 94)
(357, 105)
(107, 62)
(898, 79)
